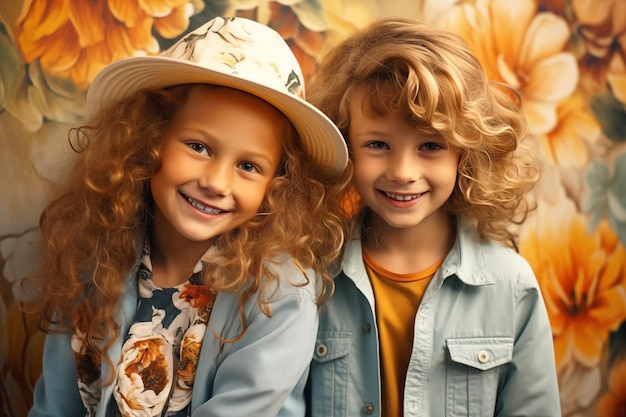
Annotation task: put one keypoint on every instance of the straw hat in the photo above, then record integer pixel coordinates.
(232, 52)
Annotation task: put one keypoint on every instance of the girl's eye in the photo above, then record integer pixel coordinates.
(377, 145)
(431, 146)
(249, 167)
(199, 147)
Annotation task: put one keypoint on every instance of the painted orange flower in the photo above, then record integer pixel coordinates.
(582, 277)
(613, 403)
(74, 42)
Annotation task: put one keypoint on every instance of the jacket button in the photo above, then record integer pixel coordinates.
(483, 356)
(367, 328)
(321, 350)
(369, 409)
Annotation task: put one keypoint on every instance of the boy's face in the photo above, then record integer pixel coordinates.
(218, 157)
(402, 174)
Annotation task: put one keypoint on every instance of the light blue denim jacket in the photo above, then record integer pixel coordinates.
(262, 374)
(482, 343)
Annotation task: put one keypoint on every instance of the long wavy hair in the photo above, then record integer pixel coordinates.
(431, 75)
(92, 232)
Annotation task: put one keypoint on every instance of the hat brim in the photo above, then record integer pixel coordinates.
(321, 138)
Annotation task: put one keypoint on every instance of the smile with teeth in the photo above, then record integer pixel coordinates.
(402, 197)
(204, 209)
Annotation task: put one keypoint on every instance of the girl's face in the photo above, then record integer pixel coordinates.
(218, 157)
(402, 174)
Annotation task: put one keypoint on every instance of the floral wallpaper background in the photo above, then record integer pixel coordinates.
(566, 57)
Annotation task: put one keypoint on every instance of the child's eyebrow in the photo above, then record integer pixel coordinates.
(259, 155)
(368, 132)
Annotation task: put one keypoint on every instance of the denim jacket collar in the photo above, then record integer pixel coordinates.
(464, 261)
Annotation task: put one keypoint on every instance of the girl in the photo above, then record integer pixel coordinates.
(432, 315)
(183, 270)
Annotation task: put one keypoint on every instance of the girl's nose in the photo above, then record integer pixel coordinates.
(217, 178)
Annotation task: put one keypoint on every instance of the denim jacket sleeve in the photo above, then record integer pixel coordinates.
(56, 392)
(528, 385)
(264, 372)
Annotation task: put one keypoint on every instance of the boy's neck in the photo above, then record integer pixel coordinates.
(409, 250)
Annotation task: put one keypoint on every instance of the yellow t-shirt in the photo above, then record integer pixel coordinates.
(397, 298)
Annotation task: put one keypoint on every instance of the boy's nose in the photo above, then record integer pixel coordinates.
(403, 169)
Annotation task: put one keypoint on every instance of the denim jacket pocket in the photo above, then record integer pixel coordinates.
(329, 374)
(473, 370)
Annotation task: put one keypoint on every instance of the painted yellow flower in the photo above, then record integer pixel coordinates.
(523, 48)
(582, 277)
(567, 143)
(613, 403)
(72, 41)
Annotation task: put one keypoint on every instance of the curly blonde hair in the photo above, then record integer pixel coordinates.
(92, 233)
(431, 74)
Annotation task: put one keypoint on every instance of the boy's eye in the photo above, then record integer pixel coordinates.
(377, 145)
(198, 147)
(248, 167)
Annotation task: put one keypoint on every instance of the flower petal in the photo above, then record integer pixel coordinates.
(175, 23)
(541, 116)
(510, 20)
(126, 12)
(546, 36)
(553, 78)
(592, 12)
(88, 22)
